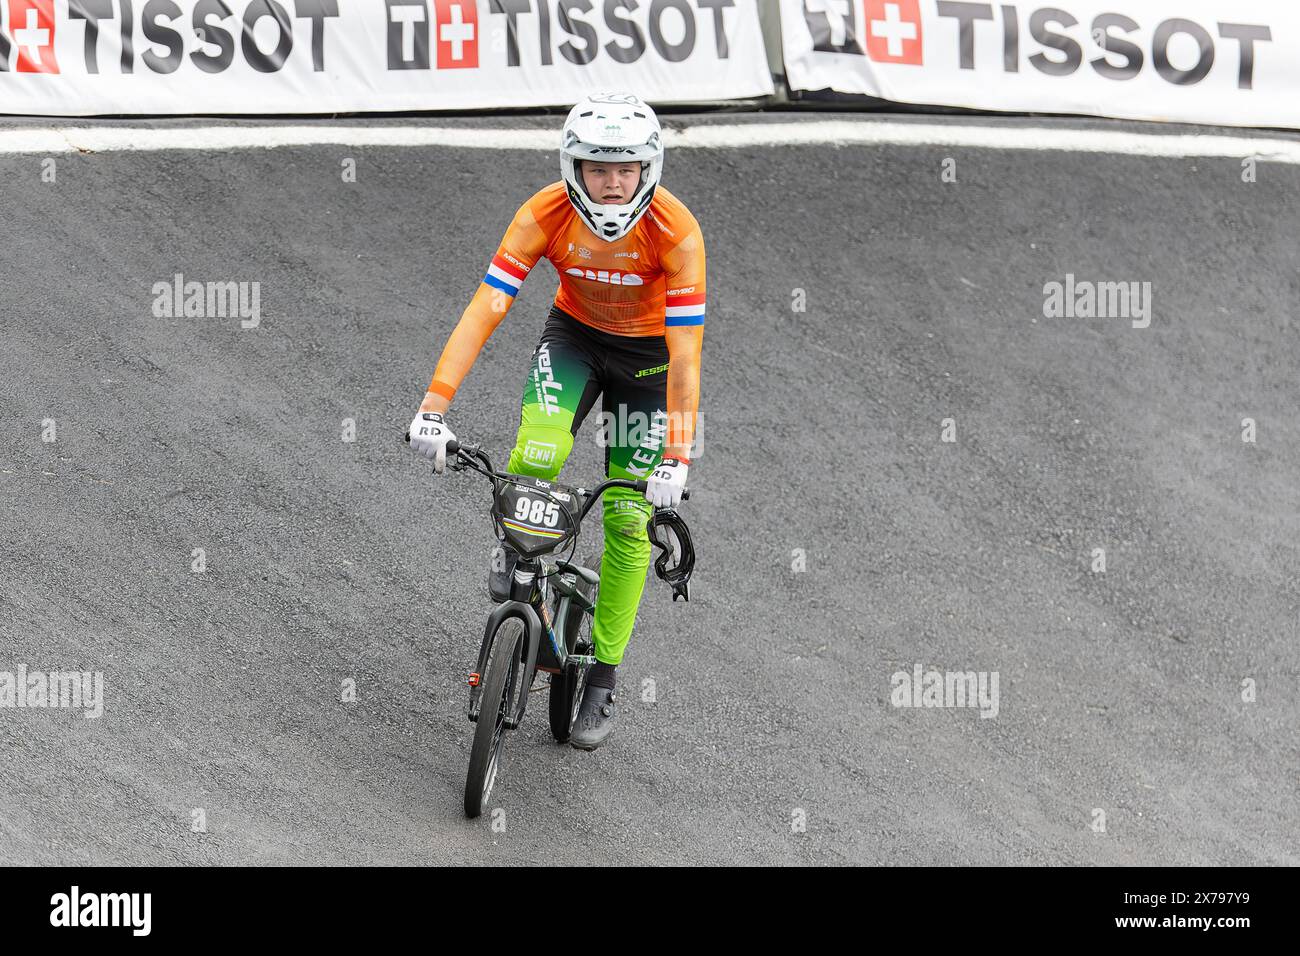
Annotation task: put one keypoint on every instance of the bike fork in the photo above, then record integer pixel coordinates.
(532, 641)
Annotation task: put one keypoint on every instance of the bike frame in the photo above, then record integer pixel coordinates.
(537, 626)
(530, 591)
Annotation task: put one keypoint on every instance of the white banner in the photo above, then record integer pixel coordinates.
(1198, 61)
(94, 57)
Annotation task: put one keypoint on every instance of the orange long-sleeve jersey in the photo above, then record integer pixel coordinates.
(650, 282)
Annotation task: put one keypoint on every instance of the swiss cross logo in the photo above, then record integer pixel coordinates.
(31, 27)
(893, 31)
(456, 23)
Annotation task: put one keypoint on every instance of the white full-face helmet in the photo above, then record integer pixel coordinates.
(611, 128)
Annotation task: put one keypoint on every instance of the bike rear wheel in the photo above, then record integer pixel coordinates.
(566, 697)
(568, 685)
(501, 679)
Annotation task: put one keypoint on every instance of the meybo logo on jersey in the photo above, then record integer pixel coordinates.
(605, 275)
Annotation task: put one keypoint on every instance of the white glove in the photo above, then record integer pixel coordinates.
(429, 437)
(664, 487)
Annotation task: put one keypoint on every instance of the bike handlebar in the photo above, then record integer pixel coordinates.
(454, 447)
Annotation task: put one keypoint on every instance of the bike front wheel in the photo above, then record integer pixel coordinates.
(501, 679)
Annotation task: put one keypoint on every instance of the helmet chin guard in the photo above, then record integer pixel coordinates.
(611, 128)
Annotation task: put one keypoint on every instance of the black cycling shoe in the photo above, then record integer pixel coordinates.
(501, 572)
(595, 720)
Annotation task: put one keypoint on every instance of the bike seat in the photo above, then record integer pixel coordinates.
(588, 575)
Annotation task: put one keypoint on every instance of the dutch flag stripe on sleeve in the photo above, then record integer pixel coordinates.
(684, 309)
(505, 275)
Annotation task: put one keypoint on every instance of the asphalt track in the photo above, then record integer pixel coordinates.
(330, 560)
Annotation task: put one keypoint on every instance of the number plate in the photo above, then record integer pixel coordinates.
(536, 516)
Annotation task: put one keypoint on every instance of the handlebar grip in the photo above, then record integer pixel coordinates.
(453, 446)
(640, 485)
